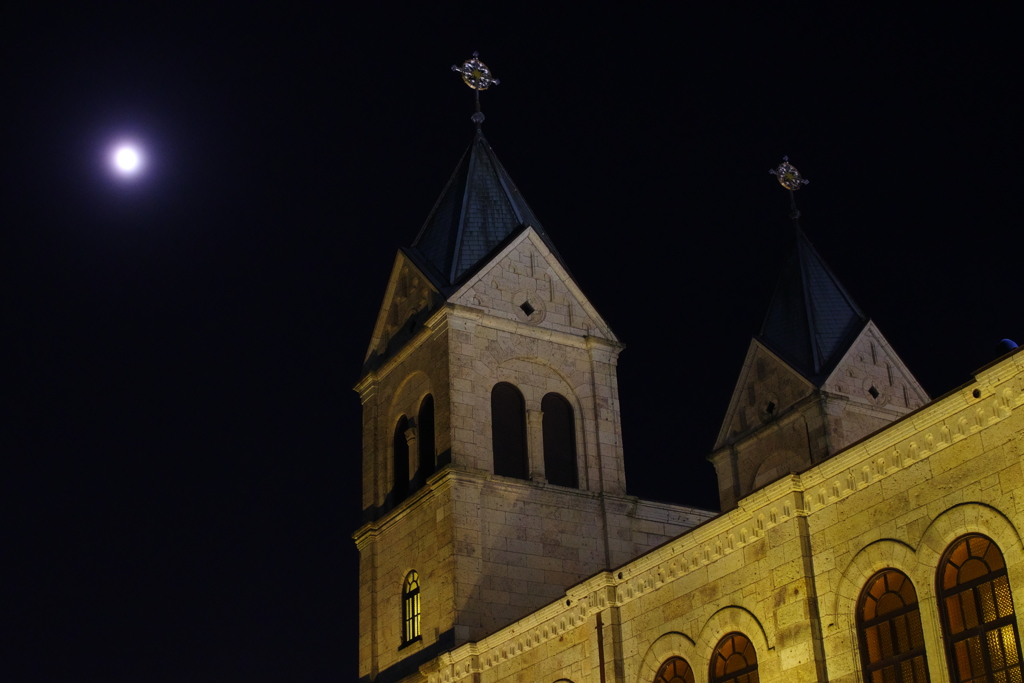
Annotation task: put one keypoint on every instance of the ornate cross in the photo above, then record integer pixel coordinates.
(477, 76)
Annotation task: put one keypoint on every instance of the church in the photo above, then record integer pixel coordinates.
(868, 532)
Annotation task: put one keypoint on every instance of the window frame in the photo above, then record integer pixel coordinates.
(748, 674)
(909, 611)
(688, 675)
(412, 610)
(983, 628)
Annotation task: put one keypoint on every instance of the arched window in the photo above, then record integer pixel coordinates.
(734, 660)
(411, 608)
(889, 628)
(674, 670)
(559, 441)
(401, 452)
(508, 431)
(425, 422)
(978, 622)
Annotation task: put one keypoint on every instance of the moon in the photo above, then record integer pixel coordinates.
(127, 159)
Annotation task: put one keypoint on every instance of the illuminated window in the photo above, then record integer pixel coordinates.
(401, 452)
(889, 628)
(734, 660)
(978, 621)
(411, 608)
(508, 431)
(674, 670)
(559, 441)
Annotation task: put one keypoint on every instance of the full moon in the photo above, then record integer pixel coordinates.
(127, 160)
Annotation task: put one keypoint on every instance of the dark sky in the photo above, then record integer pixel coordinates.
(182, 441)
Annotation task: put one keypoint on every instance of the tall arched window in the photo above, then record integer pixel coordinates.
(508, 431)
(411, 608)
(401, 458)
(559, 441)
(674, 670)
(427, 447)
(978, 621)
(889, 628)
(734, 660)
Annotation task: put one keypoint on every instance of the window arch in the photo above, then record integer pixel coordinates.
(674, 670)
(400, 449)
(734, 660)
(889, 630)
(411, 608)
(426, 442)
(978, 622)
(559, 428)
(508, 431)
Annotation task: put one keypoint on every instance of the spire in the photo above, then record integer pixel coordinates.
(480, 206)
(811, 320)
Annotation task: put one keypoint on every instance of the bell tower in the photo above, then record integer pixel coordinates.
(493, 473)
(817, 378)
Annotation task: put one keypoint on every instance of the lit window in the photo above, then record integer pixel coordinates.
(674, 670)
(889, 628)
(978, 621)
(734, 660)
(411, 608)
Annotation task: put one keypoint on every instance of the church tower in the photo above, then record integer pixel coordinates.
(492, 463)
(819, 377)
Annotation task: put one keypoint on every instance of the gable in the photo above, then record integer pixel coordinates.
(526, 283)
(872, 374)
(409, 300)
(767, 387)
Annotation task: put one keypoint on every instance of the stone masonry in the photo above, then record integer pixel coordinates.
(787, 565)
(489, 550)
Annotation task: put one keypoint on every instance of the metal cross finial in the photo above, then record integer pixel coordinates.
(477, 76)
(790, 179)
(788, 176)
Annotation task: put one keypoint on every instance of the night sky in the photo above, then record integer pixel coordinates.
(182, 443)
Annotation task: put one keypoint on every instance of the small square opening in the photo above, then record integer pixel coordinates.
(770, 408)
(873, 391)
(527, 308)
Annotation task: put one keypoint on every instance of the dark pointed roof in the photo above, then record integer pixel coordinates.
(479, 209)
(811, 320)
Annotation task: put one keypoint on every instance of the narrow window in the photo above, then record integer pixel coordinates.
(425, 422)
(401, 452)
(559, 441)
(978, 622)
(508, 431)
(411, 608)
(734, 660)
(674, 670)
(889, 628)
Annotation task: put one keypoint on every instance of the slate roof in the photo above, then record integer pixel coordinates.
(811, 320)
(478, 210)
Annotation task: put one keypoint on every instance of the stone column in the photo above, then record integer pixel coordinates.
(535, 445)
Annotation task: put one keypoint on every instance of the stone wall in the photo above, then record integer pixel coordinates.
(786, 567)
(779, 421)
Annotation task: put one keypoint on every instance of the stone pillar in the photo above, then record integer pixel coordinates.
(535, 445)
